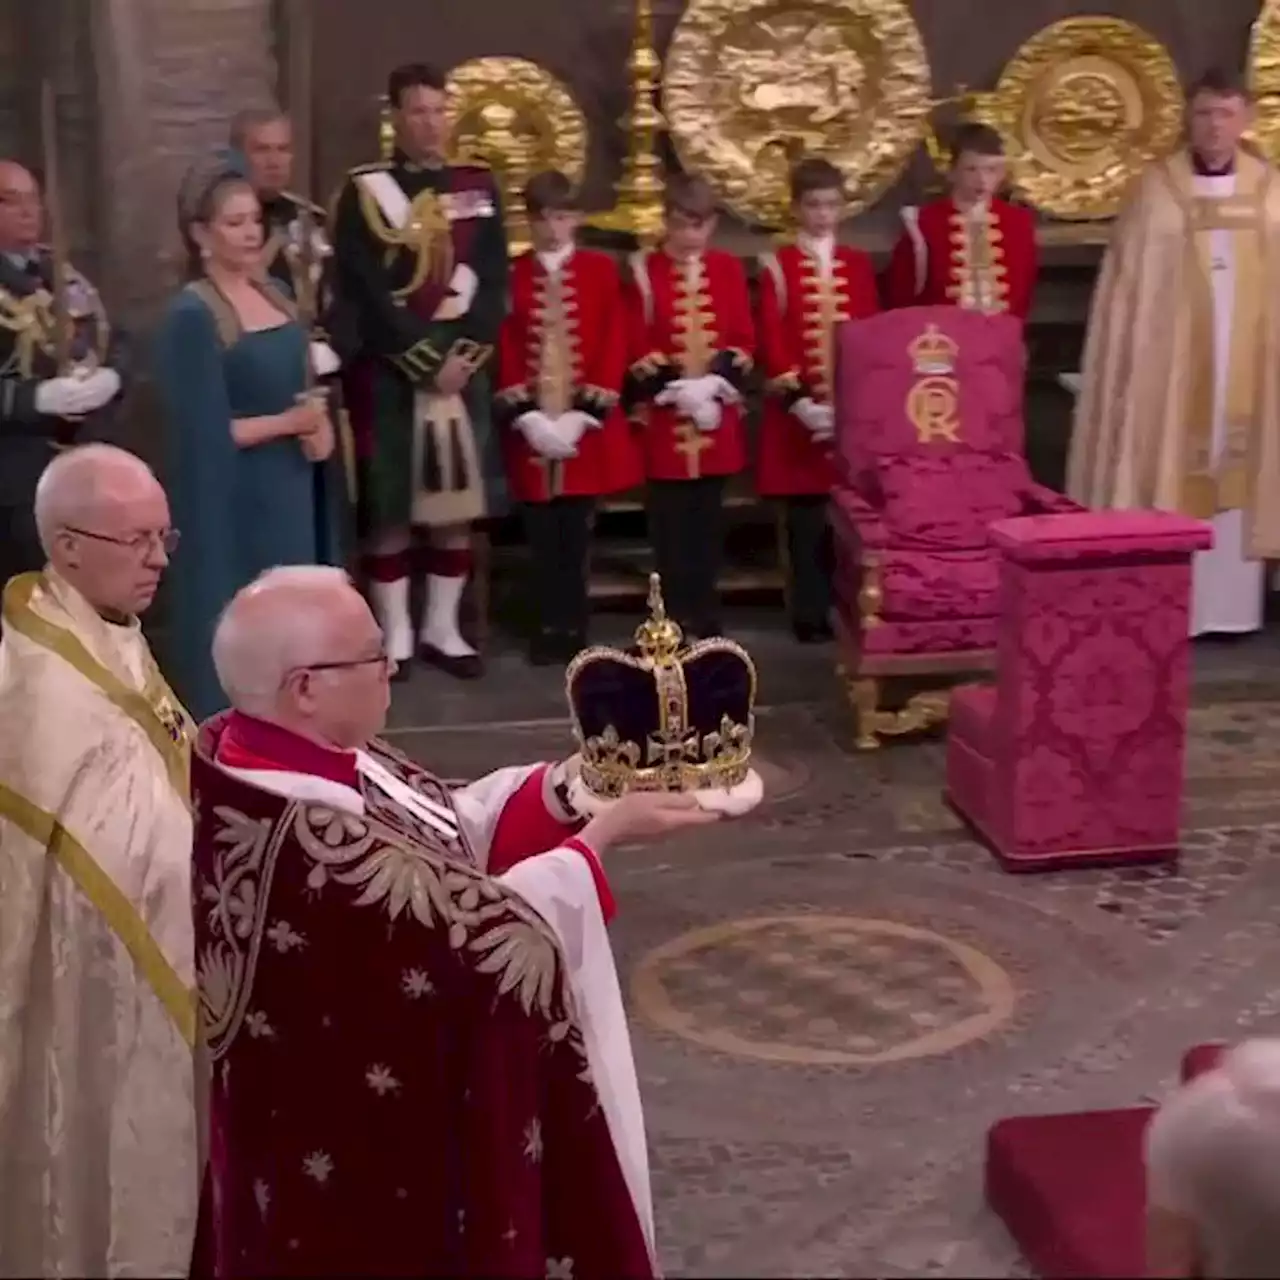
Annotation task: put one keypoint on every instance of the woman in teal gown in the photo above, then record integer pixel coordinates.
(252, 479)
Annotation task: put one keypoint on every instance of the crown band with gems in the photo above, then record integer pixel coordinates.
(686, 712)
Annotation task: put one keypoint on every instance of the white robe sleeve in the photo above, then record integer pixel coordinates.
(560, 887)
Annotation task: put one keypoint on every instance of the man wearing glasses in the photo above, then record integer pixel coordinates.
(47, 398)
(97, 1018)
(420, 1059)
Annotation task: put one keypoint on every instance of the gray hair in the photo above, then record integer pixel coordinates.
(243, 123)
(278, 623)
(1213, 1157)
(72, 485)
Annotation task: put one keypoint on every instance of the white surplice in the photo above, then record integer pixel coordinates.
(560, 886)
(98, 1145)
(1227, 589)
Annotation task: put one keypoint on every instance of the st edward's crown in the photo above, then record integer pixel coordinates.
(662, 716)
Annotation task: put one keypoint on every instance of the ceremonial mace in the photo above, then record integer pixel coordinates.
(638, 209)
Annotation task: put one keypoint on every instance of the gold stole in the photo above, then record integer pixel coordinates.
(1228, 485)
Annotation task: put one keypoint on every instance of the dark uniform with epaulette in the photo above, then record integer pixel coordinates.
(29, 439)
(420, 273)
(399, 282)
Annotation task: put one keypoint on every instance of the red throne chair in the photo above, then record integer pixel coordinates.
(929, 455)
(1074, 757)
(1071, 1188)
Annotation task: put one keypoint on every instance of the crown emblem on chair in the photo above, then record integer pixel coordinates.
(933, 353)
(662, 715)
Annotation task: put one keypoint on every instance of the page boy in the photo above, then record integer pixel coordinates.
(561, 361)
(692, 344)
(807, 289)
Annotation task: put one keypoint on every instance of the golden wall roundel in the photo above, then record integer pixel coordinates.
(1264, 79)
(1086, 103)
(750, 86)
(517, 118)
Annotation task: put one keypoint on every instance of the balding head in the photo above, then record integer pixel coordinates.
(21, 208)
(1213, 1161)
(299, 647)
(103, 521)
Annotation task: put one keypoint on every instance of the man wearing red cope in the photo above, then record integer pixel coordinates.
(561, 360)
(420, 1063)
(971, 249)
(806, 289)
(692, 343)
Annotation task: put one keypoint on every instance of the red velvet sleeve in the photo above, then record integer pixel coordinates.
(1023, 262)
(779, 360)
(526, 828)
(900, 276)
(613, 349)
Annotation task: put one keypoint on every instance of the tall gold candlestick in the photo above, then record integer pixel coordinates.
(638, 211)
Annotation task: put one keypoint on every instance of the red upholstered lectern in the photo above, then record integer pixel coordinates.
(1074, 757)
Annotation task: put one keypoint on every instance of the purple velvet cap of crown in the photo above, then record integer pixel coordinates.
(609, 692)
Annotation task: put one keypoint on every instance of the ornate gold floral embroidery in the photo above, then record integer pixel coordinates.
(512, 942)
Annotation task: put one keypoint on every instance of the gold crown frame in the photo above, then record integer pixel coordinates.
(676, 757)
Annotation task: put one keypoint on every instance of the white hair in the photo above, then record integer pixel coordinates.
(1213, 1157)
(73, 484)
(281, 621)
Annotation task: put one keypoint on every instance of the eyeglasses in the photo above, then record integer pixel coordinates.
(138, 543)
(385, 660)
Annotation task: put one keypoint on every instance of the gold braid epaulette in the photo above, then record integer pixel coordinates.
(426, 234)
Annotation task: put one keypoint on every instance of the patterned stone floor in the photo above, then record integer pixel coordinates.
(830, 1008)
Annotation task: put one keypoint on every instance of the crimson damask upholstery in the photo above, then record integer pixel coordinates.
(1075, 755)
(930, 439)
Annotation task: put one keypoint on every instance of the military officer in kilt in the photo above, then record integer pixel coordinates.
(52, 393)
(420, 272)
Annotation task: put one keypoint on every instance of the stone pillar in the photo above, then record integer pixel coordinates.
(170, 74)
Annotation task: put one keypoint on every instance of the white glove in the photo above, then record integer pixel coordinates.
(705, 414)
(324, 360)
(101, 386)
(73, 397)
(543, 437)
(570, 427)
(818, 419)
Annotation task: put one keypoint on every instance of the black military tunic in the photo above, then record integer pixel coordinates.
(401, 347)
(28, 438)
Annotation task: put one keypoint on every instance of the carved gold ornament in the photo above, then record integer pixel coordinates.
(518, 119)
(750, 86)
(1264, 79)
(1087, 103)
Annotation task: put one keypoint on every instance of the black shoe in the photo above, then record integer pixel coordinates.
(467, 666)
(812, 632)
(400, 672)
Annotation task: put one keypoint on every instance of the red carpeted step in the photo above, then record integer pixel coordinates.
(1071, 1190)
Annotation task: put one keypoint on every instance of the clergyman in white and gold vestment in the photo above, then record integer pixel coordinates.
(98, 1137)
(1179, 407)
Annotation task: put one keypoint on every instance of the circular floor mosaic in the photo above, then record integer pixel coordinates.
(823, 990)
